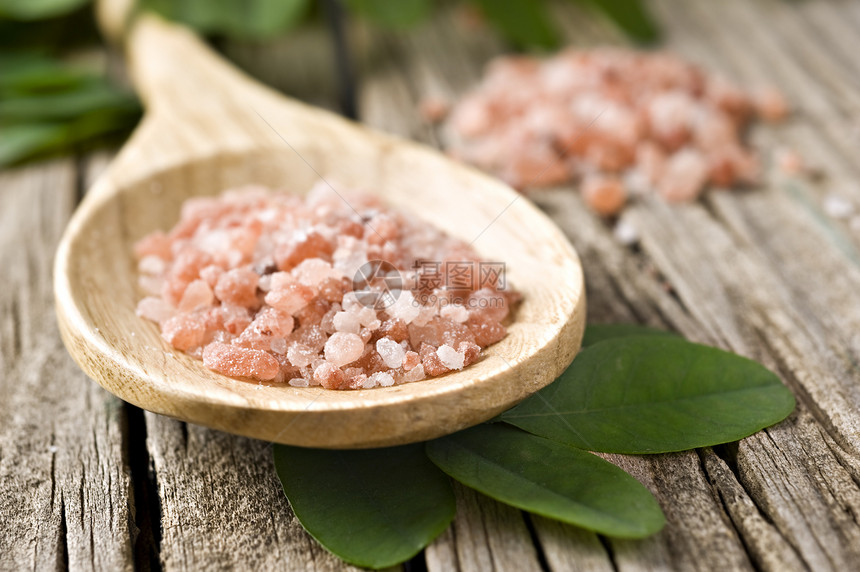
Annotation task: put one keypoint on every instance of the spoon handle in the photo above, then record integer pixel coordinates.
(197, 104)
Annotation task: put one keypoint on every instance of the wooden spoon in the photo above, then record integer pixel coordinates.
(208, 128)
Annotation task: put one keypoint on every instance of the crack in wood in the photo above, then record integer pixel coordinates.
(146, 502)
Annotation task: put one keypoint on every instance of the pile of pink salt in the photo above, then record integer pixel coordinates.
(260, 285)
(619, 121)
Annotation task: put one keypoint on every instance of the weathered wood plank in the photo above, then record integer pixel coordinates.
(222, 505)
(619, 289)
(485, 535)
(64, 471)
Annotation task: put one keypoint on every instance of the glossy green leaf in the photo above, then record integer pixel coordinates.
(400, 14)
(599, 332)
(523, 22)
(373, 507)
(631, 16)
(38, 9)
(548, 478)
(654, 394)
(247, 19)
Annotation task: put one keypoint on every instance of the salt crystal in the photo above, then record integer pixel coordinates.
(197, 295)
(451, 358)
(343, 348)
(151, 265)
(346, 322)
(155, 309)
(455, 312)
(314, 271)
(838, 207)
(238, 273)
(414, 374)
(300, 355)
(383, 379)
(405, 308)
(605, 195)
(392, 353)
(278, 345)
(625, 233)
(240, 362)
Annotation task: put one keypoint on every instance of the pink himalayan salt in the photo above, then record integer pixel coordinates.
(608, 111)
(343, 348)
(789, 161)
(433, 109)
(685, 176)
(155, 309)
(771, 105)
(238, 287)
(605, 195)
(240, 362)
(197, 295)
(271, 273)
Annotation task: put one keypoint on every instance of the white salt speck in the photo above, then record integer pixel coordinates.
(405, 307)
(369, 383)
(391, 352)
(53, 449)
(383, 379)
(626, 233)
(298, 382)
(151, 265)
(838, 207)
(451, 358)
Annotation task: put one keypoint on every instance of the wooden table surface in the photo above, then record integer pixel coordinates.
(87, 481)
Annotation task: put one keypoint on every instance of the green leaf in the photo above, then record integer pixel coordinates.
(525, 23)
(399, 14)
(247, 19)
(19, 142)
(654, 394)
(631, 16)
(24, 73)
(38, 9)
(598, 332)
(548, 478)
(374, 507)
(70, 104)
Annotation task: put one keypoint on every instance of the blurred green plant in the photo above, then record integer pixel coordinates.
(48, 106)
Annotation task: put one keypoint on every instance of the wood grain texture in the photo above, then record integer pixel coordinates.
(67, 494)
(766, 273)
(742, 271)
(180, 152)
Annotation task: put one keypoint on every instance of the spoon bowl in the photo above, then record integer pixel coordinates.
(209, 128)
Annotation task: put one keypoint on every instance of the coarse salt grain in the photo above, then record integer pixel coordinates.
(614, 113)
(254, 284)
(391, 352)
(451, 358)
(343, 348)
